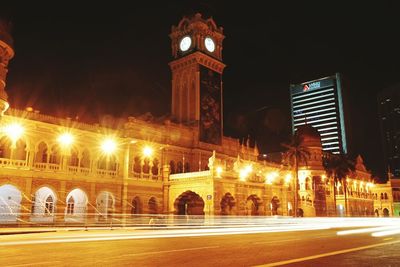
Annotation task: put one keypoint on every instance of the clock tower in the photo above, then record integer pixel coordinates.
(197, 76)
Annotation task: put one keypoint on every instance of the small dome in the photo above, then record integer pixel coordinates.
(309, 135)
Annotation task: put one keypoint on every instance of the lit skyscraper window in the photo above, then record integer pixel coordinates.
(319, 103)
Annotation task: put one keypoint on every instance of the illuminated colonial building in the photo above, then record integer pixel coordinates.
(58, 170)
(387, 198)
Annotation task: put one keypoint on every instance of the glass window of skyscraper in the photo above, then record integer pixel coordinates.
(389, 115)
(319, 103)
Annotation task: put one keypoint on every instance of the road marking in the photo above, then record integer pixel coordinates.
(333, 253)
(34, 264)
(163, 251)
(365, 230)
(278, 241)
(173, 234)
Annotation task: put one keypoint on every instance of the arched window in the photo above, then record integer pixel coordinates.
(179, 167)
(381, 195)
(85, 160)
(55, 155)
(152, 206)
(20, 150)
(386, 196)
(136, 209)
(49, 205)
(74, 160)
(187, 167)
(70, 206)
(154, 169)
(41, 155)
(5, 147)
(172, 166)
(102, 163)
(146, 166)
(112, 163)
(136, 165)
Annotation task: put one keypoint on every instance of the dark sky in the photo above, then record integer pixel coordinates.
(74, 60)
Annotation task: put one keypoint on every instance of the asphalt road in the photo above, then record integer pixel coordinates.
(160, 248)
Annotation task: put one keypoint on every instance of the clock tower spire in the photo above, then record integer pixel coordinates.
(197, 69)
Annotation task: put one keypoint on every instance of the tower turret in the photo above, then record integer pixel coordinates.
(6, 53)
(197, 69)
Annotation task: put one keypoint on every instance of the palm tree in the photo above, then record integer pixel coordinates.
(338, 167)
(295, 154)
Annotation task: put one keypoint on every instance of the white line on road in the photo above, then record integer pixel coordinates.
(163, 251)
(333, 253)
(34, 264)
(277, 241)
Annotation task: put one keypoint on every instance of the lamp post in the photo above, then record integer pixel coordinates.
(65, 140)
(14, 132)
(125, 176)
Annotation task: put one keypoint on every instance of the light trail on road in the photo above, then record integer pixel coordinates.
(386, 226)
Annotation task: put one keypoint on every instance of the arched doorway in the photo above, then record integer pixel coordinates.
(10, 203)
(104, 206)
(385, 212)
(227, 204)
(44, 205)
(76, 205)
(275, 205)
(152, 205)
(376, 213)
(136, 206)
(189, 203)
(300, 212)
(252, 205)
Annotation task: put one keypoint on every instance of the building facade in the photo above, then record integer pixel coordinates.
(320, 104)
(55, 170)
(389, 118)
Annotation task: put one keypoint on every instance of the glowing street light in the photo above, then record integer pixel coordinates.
(288, 178)
(109, 146)
(245, 172)
(65, 139)
(219, 171)
(14, 131)
(147, 151)
(270, 177)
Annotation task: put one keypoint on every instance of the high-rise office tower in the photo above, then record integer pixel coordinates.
(389, 117)
(320, 104)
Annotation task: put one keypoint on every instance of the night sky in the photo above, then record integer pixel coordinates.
(112, 59)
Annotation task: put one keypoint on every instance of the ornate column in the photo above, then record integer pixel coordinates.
(165, 177)
(125, 184)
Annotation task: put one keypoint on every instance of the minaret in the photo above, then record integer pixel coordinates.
(6, 53)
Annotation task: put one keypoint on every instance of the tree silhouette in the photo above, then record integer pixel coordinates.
(338, 167)
(295, 154)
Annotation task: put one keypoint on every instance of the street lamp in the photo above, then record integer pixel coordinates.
(219, 171)
(243, 173)
(108, 146)
(270, 177)
(14, 131)
(65, 140)
(147, 151)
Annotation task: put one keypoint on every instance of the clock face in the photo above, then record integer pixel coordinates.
(185, 43)
(209, 43)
